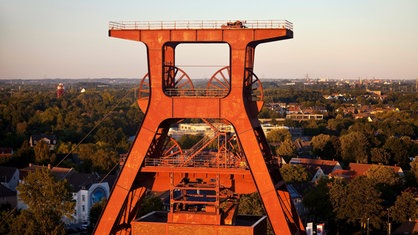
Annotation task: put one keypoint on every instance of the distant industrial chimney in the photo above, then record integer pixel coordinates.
(60, 90)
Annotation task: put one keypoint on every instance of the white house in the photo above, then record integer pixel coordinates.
(86, 198)
(87, 189)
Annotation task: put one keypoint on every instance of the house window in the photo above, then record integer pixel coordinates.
(83, 198)
(83, 208)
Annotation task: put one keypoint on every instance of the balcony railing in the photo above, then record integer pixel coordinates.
(204, 24)
(173, 92)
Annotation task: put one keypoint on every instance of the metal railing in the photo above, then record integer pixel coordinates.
(196, 92)
(203, 24)
(195, 163)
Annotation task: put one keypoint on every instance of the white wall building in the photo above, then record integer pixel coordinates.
(87, 189)
(86, 198)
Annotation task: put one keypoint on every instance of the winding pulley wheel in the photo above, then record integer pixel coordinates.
(175, 79)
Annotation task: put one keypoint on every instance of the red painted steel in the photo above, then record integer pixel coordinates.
(150, 166)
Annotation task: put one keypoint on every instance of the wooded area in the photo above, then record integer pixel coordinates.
(96, 126)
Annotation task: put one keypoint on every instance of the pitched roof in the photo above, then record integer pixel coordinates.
(80, 181)
(327, 166)
(6, 173)
(6, 192)
(58, 172)
(75, 179)
(6, 151)
(361, 169)
(406, 228)
(340, 173)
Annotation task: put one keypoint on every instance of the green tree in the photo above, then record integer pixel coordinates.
(287, 149)
(99, 157)
(385, 180)
(149, 204)
(188, 141)
(319, 143)
(383, 175)
(357, 202)
(250, 204)
(338, 124)
(7, 218)
(95, 212)
(399, 149)
(326, 146)
(48, 201)
(338, 194)
(317, 201)
(405, 208)
(104, 159)
(414, 168)
(380, 155)
(42, 152)
(292, 173)
(278, 135)
(354, 147)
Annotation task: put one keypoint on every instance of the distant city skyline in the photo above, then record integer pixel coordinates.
(332, 39)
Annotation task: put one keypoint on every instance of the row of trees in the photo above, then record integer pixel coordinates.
(94, 125)
(378, 197)
(104, 118)
(361, 142)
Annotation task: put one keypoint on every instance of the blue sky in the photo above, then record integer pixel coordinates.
(332, 39)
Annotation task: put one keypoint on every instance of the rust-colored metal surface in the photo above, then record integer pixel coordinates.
(206, 180)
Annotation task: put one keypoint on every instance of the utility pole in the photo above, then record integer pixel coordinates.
(389, 224)
(368, 222)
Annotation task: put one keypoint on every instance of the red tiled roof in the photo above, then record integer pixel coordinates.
(58, 172)
(76, 179)
(346, 174)
(5, 151)
(312, 164)
(361, 169)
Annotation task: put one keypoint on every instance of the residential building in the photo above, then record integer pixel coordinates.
(86, 189)
(317, 167)
(7, 197)
(297, 199)
(304, 117)
(6, 152)
(51, 140)
(361, 169)
(9, 177)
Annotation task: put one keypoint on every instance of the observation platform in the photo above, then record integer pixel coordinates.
(207, 24)
(201, 31)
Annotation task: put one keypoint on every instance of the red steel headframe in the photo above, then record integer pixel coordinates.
(237, 107)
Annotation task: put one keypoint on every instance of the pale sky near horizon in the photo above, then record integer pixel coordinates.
(332, 39)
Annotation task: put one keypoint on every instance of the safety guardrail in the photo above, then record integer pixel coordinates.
(177, 162)
(173, 92)
(203, 24)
